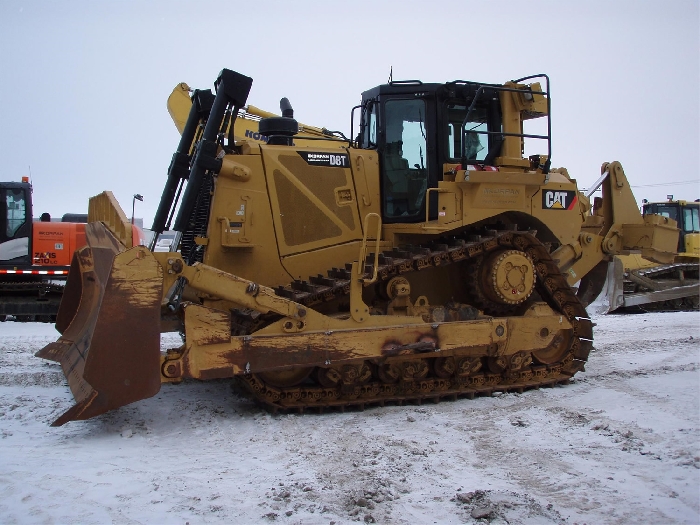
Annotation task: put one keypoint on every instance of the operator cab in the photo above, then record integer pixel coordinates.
(421, 131)
(15, 223)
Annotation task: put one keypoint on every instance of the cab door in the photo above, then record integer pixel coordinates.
(404, 160)
(15, 224)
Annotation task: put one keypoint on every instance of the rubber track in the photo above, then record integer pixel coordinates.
(551, 285)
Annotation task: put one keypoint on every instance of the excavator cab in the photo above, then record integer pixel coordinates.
(425, 132)
(15, 223)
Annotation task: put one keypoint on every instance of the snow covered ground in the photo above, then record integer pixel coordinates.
(620, 444)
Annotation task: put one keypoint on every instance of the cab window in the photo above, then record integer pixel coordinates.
(471, 134)
(404, 165)
(373, 126)
(15, 211)
(691, 221)
(369, 125)
(667, 211)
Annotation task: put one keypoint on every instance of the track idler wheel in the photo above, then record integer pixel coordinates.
(556, 350)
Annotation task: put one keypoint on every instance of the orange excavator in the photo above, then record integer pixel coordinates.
(35, 255)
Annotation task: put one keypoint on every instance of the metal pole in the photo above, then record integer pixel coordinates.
(138, 197)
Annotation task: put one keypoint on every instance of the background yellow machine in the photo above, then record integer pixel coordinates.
(424, 258)
(636, 283)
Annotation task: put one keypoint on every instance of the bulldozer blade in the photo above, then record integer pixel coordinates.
(614, 285)
(109, 319)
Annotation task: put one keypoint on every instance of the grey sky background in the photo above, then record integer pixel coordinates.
(85, 83)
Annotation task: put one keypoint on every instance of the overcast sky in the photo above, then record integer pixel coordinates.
(85, 83)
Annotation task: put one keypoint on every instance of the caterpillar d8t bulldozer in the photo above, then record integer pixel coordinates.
(425, 258)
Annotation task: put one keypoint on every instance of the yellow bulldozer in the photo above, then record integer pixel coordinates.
(423, 258)
(638, 284)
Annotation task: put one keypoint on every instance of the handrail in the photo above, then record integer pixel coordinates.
(545, 93)
(362, 259)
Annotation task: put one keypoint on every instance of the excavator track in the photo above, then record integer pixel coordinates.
(36, 300)
(427, 376)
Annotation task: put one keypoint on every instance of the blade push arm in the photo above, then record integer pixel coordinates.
(616, 227)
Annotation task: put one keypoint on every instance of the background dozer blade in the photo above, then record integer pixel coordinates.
(110, 324)
(592, 283)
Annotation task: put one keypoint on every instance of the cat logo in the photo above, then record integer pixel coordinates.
(559, 200)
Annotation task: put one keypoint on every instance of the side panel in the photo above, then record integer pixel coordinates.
(365, 174)
(54, 242)
(692, 244)
(289, 213)
(312, 196)
(477, 196)
(241, 235)
(555, 204)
